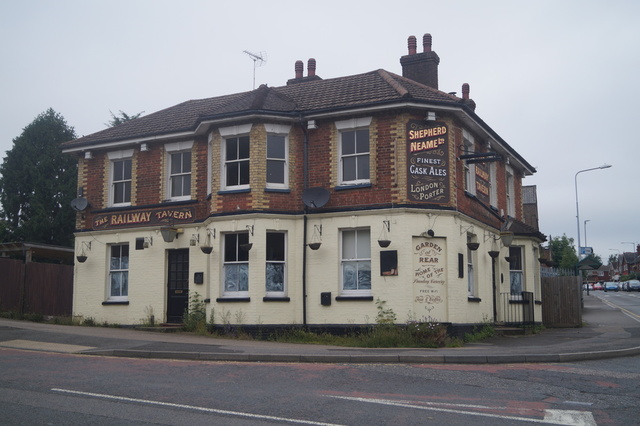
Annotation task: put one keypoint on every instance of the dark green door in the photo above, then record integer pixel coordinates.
(178, 285)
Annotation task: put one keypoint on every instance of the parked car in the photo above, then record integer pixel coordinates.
(597, 286)
(633, 285)
(611, 286)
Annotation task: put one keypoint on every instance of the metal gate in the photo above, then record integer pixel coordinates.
(518, 309)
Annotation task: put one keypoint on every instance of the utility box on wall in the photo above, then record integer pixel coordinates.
(325, 298)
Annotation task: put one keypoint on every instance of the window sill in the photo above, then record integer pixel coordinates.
(278, 190)
(276, 299)
(234, 191)
(474, 299)
(233, 299)
(115, 302)
(354, 298)
(355, 186)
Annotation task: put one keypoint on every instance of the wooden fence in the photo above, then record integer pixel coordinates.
(561, 301)
(32, 287)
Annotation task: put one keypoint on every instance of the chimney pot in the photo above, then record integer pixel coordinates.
(426, 42)
(311, 67)
(299, 68)
(413, 45)
(465, 91)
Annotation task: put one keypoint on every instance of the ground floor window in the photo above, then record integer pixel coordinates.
(275, 279)
(236, 264)
(119, 272)
(515, 270)
(356, 261)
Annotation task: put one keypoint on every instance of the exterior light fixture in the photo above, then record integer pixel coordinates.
(88, 155)
(431, 116)
(604, 166)
(169, 233)
(144, 147)
(311, 125)
(148, 242)
(195, 240)
(507, 238)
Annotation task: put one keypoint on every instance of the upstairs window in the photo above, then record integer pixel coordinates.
(469, 169)
(237, 162)
(277, 156)
(120, 178)
(180, 175)
(179, 170)
(354, 149)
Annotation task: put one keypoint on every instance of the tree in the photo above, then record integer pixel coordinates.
(562, 252)
(123, 117)
(38, 182)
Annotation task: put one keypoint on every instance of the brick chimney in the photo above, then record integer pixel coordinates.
(465, 97)
(311, 72)
(421, 67)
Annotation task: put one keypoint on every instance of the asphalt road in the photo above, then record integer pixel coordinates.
(56, 389)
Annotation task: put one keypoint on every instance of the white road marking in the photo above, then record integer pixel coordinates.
(559, 417)
(624, 311)
(191, 407)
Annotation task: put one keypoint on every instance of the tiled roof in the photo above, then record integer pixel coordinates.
(305, 98)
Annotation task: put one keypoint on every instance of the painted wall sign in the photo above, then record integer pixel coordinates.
(427, 161)
(144, 217)
(429, 278)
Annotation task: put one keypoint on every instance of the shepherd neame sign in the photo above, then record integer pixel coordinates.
(427, 155)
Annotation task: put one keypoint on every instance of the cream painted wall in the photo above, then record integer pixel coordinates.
(147, 273)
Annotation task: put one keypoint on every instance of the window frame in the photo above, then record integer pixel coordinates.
(125, 156)
(283, 262)
(514, 271)
(471, 276)
(123, 272)
(238, 260)
(172, 149)
(469, 175)
(347, 126)
(228, 133)
(278, 130)
(364, 261)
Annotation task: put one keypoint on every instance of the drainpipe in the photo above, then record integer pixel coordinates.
(305, 171)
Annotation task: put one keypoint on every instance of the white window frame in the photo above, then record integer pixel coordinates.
(179, 148)
(361, 260)
(469, 169)
(115, 156)
(121, 269)
(279, 130)
(236, 262)
(283, 262)
(510, 191)
(353, 125)
(516, 274)
(228, 133)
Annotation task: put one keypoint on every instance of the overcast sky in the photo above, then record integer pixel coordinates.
(558, 79)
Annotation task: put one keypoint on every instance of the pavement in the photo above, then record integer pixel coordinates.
(608, 332)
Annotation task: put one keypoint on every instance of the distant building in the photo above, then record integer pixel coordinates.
(306, 204)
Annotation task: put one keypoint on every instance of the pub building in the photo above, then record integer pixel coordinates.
(306, 204)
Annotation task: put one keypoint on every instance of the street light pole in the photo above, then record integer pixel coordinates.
(604, 166)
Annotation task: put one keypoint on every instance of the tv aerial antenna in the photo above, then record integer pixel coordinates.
(259, 59)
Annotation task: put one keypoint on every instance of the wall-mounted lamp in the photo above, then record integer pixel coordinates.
(383, 239)
(88, 155)
(82, 257)
(207, 248)
(148, 242)
(507, 238)
(431, 116)
(316, 238)
(144, 147)
(429, 233)
(311, 125)
(194, 240)
(169, 233)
